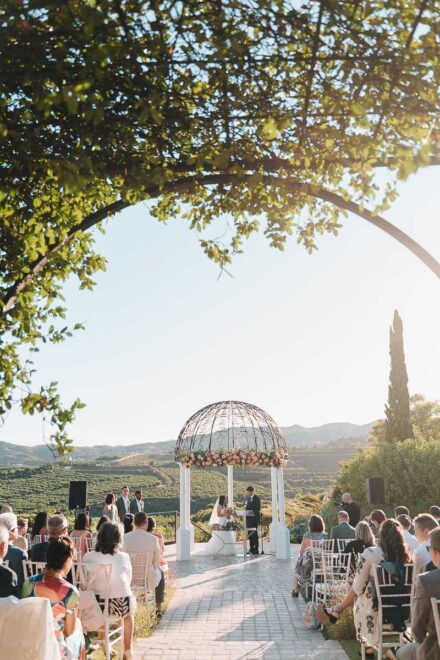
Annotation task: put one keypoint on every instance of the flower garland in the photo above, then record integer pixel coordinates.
(237, 457)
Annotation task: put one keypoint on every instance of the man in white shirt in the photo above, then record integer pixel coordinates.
(410, 540)
(139, 540)
(123, 503)
(137, 504)
(423, 524)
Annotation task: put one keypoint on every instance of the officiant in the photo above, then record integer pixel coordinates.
(253, 503)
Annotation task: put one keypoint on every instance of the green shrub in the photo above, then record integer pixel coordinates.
(409, 470)
(297, 531)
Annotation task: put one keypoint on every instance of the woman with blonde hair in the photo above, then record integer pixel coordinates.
(364, 539)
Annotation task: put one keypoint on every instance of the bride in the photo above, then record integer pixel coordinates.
(219, 514)
(222, 542)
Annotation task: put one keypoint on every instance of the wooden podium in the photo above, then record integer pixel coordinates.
(245, 514)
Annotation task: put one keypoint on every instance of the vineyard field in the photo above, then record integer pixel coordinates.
(45, 487)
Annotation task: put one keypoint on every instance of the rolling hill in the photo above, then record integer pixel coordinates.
(296, 436)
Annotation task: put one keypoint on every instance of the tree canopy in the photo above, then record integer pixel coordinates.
(269, 114)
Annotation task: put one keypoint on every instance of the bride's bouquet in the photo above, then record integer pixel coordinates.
(231, 525)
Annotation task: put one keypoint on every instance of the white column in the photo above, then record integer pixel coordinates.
(283, 535)
(273, 527)
(189, 524)
(230, 486)
(183, 540)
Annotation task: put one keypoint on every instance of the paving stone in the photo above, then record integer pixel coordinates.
(234, 609)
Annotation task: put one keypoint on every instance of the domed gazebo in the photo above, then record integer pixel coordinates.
(232, 433)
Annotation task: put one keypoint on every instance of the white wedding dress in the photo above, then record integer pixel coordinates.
(222, 542)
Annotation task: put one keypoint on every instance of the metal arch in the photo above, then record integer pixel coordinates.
(230, 425)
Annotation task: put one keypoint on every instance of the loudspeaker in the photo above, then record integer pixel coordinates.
(375, 490)
(78, 494)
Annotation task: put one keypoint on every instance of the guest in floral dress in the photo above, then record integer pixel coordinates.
(62, 595)
(304, 565)
(392, 548)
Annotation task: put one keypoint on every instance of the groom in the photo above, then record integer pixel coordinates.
(253, 503)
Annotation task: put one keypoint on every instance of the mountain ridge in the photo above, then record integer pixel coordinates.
(296, 436)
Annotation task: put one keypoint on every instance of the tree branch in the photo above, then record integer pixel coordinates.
(185, 184)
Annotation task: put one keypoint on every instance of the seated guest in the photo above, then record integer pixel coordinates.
(435, 512)
(39, 528)
(304, 565)
(128, 523)
(139, 540)
(15, 556)
(151, 528)
(401, 511)
(8, 579)
(377, 517)
(63, 597)
(363, 539)
(21, 540)
(352, 508)
(121, 598)
(422, 615)
(391, 548)
(411, 540)
(101, 521)
(423, 524)
(343, 530)
(81, 531)
(57, 526)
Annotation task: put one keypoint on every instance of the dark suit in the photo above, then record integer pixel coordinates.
(134, 506)
(354, 512)
(38, 553)
(15, 557)
(422, 620)
(8, 582)
(122, 511)
(253, 504)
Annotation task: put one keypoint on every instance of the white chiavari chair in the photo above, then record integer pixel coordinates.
(143, 572)
(31, 568)
(342, 543)
(389, 598)
(97, 578)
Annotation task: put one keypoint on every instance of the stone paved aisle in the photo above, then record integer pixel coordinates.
(234, 609)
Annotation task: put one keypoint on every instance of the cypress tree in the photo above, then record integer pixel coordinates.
(398, 420)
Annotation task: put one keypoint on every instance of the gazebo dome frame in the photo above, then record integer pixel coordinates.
(230, 425)
(229, 433)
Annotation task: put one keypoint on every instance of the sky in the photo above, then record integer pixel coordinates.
(304, 337)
